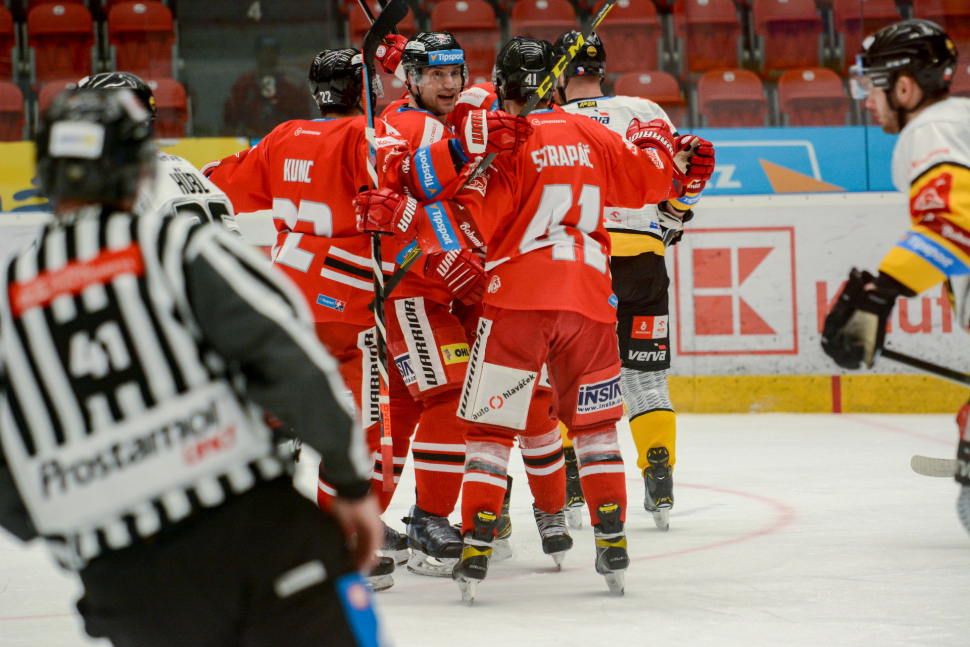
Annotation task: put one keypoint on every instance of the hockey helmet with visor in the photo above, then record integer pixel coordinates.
(337, 80)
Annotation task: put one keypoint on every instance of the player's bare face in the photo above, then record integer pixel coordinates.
(439, 88)
(877, 103)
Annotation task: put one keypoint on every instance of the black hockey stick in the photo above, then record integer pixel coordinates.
(927, 367)
(370, 14)
(393, 13)
(541, 92)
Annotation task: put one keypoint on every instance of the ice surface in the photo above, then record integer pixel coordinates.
(787, 530)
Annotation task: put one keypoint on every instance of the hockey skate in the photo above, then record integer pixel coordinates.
(435, 545)
(574, 491)
(381, 576)
(611, 556)
(475, 554)
(658, 482)
(502, 547)
(555, 538)
(395, 546)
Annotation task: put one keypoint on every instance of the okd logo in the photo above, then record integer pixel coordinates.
(736, 292)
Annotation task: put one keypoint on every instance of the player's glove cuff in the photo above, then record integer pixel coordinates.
(855, 329)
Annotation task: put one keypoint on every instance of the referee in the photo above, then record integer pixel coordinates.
(137, 358)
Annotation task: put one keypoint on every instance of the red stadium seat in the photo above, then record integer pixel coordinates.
(173, 108)
(8, 41)
(547, 19)
(849, 20)
(50, 90)
(109, 4)
(60, 37)
(36, 3)
(631, 34)
(951, 15)
(359, 24)
(790, 30)
(711, 32)
(732, 99)
(961, 80)
(472, 22)
(813, 97)
(11, 112)
(656, 86)
(142, 37)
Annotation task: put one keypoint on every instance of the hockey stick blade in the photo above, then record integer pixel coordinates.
(938, 467)
(927, 367)
(386, 22)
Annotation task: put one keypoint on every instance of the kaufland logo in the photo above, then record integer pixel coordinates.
(447, 57)
(736, 292)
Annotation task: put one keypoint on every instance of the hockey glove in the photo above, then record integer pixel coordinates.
(695, 157)
(493, 132)
(462, 271)
(389, 53)
(382, 211)
(655, 135)
(963, 449)
(856, 327)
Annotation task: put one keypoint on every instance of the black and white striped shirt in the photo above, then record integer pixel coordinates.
(133, 353)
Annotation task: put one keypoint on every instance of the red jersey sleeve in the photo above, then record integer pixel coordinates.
(245, 178)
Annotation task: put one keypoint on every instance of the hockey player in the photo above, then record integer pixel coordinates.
(179, 187)
(549, 301)
(639, 237)
(307, 173)
(136, 356)
(904, 73)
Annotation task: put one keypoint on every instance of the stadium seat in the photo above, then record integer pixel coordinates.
(961, 80)
(849, 20)
(173, 108)
(632, 36)
(60, 37)
(788, 34)
(710, 31)
(49, 91)
(36, 3)
(656, 86)
(813, 97)
(359, 24)
(142, 38)
(11, 112)
(473, 23)
(394, 89)
(8, 42)
(951, 15)
(108, 5)
(547, 19)
(732, 99)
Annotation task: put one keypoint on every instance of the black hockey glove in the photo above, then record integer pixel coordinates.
(855, 329)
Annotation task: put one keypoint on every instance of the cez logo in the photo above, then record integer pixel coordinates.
(599, 396)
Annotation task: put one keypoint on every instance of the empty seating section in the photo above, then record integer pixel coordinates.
(359, 24)
(850, 20)
(36, 3)
(632, 36)
(813, 97)
(8, 43)
(393, 90)
(788, 34)
(731, 99)
(49, 91)
(546, 19)
(60, 37)
(142, 38)
(109, 4)
(659, 87)
(952, 15)
(11, 112)
(173, 108)
(709, 32)
(472, 22)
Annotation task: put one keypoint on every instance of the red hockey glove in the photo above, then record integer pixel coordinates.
(382, 211)
(493, 132)
(654, 135)
(462, 271)
(389, 52)
(697, 157)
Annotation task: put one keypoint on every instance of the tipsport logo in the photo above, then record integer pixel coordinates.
(447, 57)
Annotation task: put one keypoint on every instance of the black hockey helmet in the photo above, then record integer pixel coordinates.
(431, 49)
(590, 59)
(520, 68)
(118, 81)
(337, 80)
(95, 146)
(918, 48)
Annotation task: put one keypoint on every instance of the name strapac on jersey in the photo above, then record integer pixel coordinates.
(569, 155)
(599, 396)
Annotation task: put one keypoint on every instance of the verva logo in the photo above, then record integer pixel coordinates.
(736, 292)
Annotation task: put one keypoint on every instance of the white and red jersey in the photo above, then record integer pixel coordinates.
(541, 213)
(308, 173)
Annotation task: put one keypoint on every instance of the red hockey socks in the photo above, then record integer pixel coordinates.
(486, 465)
(439, 453)
(545, 466)
(600, 469)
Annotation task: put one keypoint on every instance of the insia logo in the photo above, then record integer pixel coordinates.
(404, 367)
(934, 196)
(455, 353)
(297, 170)
(599, 396)
(736, 291)
(649, 327)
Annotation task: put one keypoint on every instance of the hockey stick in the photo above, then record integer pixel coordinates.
(370, 14)
(938, 467)
(544, 89)
(928, 367)
(393, 13)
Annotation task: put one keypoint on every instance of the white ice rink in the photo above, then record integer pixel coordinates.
(787, 530)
